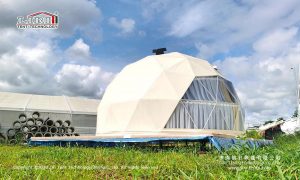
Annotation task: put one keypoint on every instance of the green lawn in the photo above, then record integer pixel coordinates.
(275, 162)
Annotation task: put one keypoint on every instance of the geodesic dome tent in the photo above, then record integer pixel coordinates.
(169, 91)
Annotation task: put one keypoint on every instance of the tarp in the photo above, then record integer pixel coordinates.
(219, 143)
(227, 143)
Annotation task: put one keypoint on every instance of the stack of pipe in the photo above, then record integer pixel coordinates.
(25, 128)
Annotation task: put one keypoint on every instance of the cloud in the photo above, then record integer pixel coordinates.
(31, 61)
(76, 77)
(216, 27)
(265, 83)
(196, 18)
(276, 41)
(73, 14)
(27, 69)
(79, 50)
(259, 43)
(154, 7)
(32, 69)
(126, 25)
(84, 80)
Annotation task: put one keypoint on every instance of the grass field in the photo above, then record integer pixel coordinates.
(275, 162)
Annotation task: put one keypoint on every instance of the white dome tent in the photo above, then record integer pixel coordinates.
(169, 92)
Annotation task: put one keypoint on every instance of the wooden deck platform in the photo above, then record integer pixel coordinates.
(166, 133)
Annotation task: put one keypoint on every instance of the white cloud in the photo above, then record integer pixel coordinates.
(31, 69)
(276, 41)
(230, 66)
(196, 18)
(79, 78)
(31, 60)
(265, 84)
(27, 69)
(216, 27)
(154, 7)
(264, 81)
(126, 25)
(264, 34)
(79, 50)
(83, 80)
(73, 14)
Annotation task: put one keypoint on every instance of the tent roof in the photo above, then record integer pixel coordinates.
(144, 94)
(270, 125)
(43, 103)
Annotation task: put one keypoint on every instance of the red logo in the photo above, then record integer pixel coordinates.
(38, 20)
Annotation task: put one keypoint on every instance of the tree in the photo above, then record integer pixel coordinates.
(280, 119)
(295, 113)
(267, 122)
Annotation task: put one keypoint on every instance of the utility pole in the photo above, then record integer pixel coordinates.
(298, 95)
(297, 81)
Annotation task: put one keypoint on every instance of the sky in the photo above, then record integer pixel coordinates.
(253, 43)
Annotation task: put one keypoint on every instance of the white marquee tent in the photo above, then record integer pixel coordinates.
(80, 111)
(169, 92)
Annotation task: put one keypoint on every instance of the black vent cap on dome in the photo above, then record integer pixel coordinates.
(159, 51)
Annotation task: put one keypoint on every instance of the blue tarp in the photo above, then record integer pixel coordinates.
(226, 143)
(218, 142)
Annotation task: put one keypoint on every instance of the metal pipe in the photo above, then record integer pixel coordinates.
(49, 122)
(34, 129)
(58, 123)
(39, 122)
(61, 130)
(43, 129)
(22, 117)
(64, 134)
(47, 134)
(11, 132)
(38, 134)
(53, 130)
(67, 123)
(30, 122)
(35, 115)
(17, 125)
(55, 134)
(70, 129)
(28, 135)
(25, 128)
